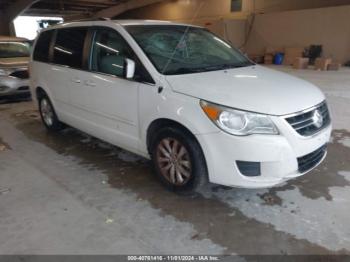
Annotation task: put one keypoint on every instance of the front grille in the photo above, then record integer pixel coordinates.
(306, 123)
(22, 74)
(311, 160)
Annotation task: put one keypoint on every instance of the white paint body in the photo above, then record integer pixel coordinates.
(120, 111)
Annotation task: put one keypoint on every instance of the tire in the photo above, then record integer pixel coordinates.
(48, 114)
(188, 160)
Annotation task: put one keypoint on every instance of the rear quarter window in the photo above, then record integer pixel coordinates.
(42, 47)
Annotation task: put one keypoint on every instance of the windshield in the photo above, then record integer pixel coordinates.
(14, 49)
(182, 50)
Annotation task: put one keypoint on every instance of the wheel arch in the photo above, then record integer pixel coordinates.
(160, 123)
(39, 92)
(165, 122)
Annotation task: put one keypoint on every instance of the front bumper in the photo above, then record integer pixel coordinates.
(11, 86)
(277, 154)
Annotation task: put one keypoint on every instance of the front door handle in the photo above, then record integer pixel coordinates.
(90, 83)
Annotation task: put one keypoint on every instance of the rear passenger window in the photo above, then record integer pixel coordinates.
(69, 46)
(42, 47)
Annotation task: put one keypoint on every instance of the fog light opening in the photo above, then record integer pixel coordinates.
(249, 169)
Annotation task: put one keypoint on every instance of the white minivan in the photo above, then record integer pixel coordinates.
(183, 97)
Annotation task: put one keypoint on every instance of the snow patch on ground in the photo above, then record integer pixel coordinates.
(345, 141)
(345, 174)
(298, 215)
(340, 111)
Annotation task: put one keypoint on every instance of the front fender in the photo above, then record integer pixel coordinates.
(179, 108)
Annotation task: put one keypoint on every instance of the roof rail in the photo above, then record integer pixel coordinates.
(90, 19)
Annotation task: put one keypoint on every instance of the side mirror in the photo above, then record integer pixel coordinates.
(129, 67)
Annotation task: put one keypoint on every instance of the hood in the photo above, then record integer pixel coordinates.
(14, 62)
(256, 88)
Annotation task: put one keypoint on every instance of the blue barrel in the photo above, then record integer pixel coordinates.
(278, 59)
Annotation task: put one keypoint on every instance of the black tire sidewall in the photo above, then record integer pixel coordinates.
(199, 170)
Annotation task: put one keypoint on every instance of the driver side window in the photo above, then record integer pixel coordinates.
(109, 51)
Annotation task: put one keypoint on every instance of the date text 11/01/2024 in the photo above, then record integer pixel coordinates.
(173, 258)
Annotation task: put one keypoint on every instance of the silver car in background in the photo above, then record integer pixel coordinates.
(14, 75)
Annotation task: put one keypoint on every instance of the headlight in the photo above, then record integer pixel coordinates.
(239, 123)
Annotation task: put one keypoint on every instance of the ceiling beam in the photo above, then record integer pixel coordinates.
(123, 7)
(17, 7)
(13, 10)
(68, 5)
(53, 13)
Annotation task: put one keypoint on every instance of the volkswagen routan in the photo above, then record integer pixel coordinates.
(183, 97)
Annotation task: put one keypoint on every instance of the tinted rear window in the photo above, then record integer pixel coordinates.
(41, 52)
(69, 47)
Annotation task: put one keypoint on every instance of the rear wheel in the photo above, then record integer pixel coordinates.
(48, 114)
(178, 160)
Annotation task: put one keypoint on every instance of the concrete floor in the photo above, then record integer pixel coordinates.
(68, 193)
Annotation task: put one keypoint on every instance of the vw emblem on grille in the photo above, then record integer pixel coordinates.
(317, 119)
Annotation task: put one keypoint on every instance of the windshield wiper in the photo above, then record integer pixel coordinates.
(229, 66)
(186, 70)
(223, 67)
(183, 70)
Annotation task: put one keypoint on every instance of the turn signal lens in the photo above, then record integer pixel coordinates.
(212, 112)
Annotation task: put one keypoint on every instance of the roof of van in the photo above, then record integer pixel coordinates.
(12, 39)
(146, 22)
(119, 22)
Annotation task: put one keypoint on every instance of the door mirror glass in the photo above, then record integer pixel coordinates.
(129, 68)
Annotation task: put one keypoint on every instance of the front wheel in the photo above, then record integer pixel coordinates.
(178, 160)
(48, 114)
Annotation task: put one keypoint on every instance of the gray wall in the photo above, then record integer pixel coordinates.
(186, 10)
(266, 6)
(327, 26)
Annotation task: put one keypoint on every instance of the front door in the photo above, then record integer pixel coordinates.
(113, 99)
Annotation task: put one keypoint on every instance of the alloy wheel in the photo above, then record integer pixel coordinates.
(173, 160)
(47, 112)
